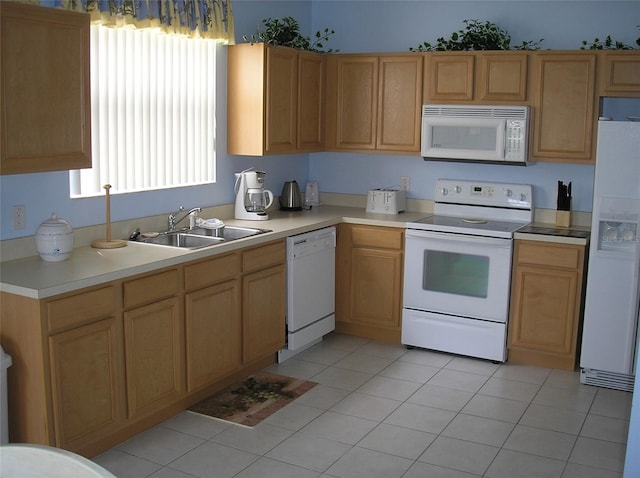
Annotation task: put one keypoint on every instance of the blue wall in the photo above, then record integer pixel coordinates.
(361, 26)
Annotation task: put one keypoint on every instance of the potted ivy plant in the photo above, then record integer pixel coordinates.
(286, 32)
(477, 35)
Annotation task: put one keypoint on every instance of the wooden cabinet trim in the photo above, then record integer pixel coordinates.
(80, 309)
(549, 255)
(263, 256)
(211, 271)
(375, 236)
(150, 288)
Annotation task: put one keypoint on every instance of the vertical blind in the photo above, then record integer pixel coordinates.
(153, 112)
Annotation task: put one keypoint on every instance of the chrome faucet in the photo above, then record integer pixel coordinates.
(173, 221)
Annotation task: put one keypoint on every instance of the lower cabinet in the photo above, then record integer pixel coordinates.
(546, 304)
(212, 320)
(93, 367)
(263, 306)
(369, 281)
(86, 382)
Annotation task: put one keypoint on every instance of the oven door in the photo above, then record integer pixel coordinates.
(455, 274)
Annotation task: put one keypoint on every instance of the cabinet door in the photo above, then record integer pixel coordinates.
(449, 77)
(400, 103)
(212, 324)
(619, 73)
(311, 97)
(44, 93)
(356, 102)
(564, 88)
(545, 306)
(501, 76)
(281, 100)
(546, 300)
(369, 267)
(376, 280)
(154, 356)
(263, 313)
(86, 373)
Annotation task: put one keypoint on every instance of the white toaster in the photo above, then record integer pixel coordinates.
(386, 201)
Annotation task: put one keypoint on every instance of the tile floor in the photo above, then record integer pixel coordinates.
(381, 410)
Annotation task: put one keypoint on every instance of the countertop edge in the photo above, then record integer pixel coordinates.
(33, 278)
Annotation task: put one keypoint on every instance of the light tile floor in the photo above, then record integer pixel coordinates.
(381, 410)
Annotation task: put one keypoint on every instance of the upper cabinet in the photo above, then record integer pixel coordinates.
(275, 100)
(564, 110)
(476, 77)
(45, 89)
(619, 73)
(374, 103)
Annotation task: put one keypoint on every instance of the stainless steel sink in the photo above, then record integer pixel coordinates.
(201, 237)
(229, 233)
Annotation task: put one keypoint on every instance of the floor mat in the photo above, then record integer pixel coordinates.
(254, 399)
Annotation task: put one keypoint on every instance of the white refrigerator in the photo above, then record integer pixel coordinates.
(610, 333)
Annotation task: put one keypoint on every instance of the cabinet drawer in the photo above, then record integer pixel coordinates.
(264, 256)
(388, 238)
(552, 255)
(203, 274)
(81, 309)
(150, 288)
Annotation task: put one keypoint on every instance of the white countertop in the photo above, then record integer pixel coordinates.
(35, 278)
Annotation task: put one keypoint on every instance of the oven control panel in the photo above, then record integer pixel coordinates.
(483, 193)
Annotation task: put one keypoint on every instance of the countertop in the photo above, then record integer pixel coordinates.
(35, 278)
(551, 233)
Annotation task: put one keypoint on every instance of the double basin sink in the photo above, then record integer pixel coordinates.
(200, 237)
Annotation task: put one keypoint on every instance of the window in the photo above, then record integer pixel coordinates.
(153, 112)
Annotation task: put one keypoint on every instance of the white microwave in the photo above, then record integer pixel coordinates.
(498, 134)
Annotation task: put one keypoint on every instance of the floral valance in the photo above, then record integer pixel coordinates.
(211, 19)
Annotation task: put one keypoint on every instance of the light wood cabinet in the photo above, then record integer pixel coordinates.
(476, 77)
(66, 384)
(619, 73)
(86, 367)
(369, 273)
(153, 339)
(212, 320)
(275, 100)
(374, 103)
(45, 89)
(564, 101)
(96, 366)
(546, 304)
(263, 300)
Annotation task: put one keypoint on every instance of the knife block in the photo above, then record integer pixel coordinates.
(563, 218)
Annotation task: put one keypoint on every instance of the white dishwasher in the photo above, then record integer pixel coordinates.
(311, 268)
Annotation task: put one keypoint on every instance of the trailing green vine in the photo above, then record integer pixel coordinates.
(477, 36)
(609, 44)
(286, 32)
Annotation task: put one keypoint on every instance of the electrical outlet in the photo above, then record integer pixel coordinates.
(404, 183)
(18, 217)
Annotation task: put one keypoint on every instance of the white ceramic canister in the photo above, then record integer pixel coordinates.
(54, 239)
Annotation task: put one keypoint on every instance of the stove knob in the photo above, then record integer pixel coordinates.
(444, 191)
(523, 197)
(458, 189)
(508, 193)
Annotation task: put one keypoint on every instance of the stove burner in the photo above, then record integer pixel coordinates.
(474, 221)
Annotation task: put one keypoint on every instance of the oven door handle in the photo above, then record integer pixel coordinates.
(451, 237)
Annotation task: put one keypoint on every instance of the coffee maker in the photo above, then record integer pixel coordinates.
(252, 199)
